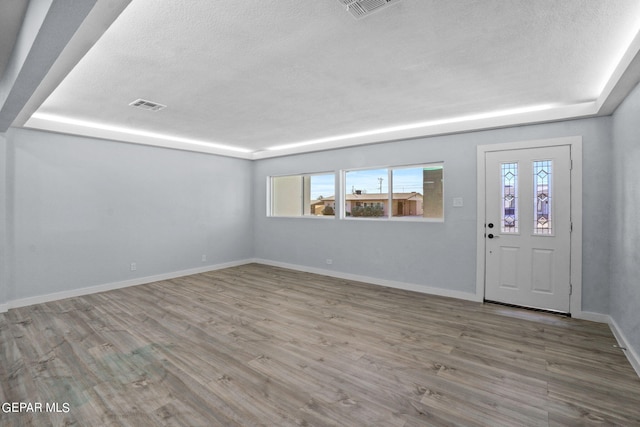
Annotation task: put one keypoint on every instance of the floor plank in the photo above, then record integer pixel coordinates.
(263, 346)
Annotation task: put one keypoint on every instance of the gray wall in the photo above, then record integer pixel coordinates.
(625, 220)
(441, 255)
(4, 279)
(81, 210)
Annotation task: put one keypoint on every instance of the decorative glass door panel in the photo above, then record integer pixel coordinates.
(542, 215)
(509, 199)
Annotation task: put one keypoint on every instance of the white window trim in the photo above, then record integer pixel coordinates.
(269, 210)
(389, 217)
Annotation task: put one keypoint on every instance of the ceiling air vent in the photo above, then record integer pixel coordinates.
(143, 104)
(361, 8)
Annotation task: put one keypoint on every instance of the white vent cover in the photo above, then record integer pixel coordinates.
(143, 104)
(361, 8)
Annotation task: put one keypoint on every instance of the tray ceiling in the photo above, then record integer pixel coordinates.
(262, 78)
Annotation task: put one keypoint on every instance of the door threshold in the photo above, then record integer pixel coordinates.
(541, 310)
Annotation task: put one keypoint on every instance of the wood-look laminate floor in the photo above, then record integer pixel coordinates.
(259, 345)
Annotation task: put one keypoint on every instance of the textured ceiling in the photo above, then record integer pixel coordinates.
(257, 74)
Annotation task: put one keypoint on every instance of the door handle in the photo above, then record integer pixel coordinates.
(491, 236)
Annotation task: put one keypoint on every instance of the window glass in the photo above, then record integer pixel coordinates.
(510, 220)
(303, 195)
(366, 193)
(542, 172)
(416, 192)
(322, 201)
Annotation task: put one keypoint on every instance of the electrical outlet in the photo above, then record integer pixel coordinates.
(204, 258)
(134, 267)
(329, 261)
(458, 202)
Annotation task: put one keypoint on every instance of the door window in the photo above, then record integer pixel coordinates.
(509, 198)
(542, 220)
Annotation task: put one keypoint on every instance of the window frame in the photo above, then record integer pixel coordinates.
(270, 195)
(389, 215)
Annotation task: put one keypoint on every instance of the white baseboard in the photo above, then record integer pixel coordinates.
(469, 296)
(39, 299)
(4, 308)
(630, 352)
(591, 316)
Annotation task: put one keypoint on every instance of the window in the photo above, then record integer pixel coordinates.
(302, 195)
(542, 172)
(416, 192)
(365, 193)
(510, 221)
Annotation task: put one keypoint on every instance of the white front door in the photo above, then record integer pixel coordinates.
(528, 227)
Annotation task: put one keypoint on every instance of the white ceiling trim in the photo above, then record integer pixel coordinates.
(89, 32)
(70, 125)
(11, 18)
(619, 69)
(491, 120)
(483, 121)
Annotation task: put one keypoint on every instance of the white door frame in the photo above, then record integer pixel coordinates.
(575, 142)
